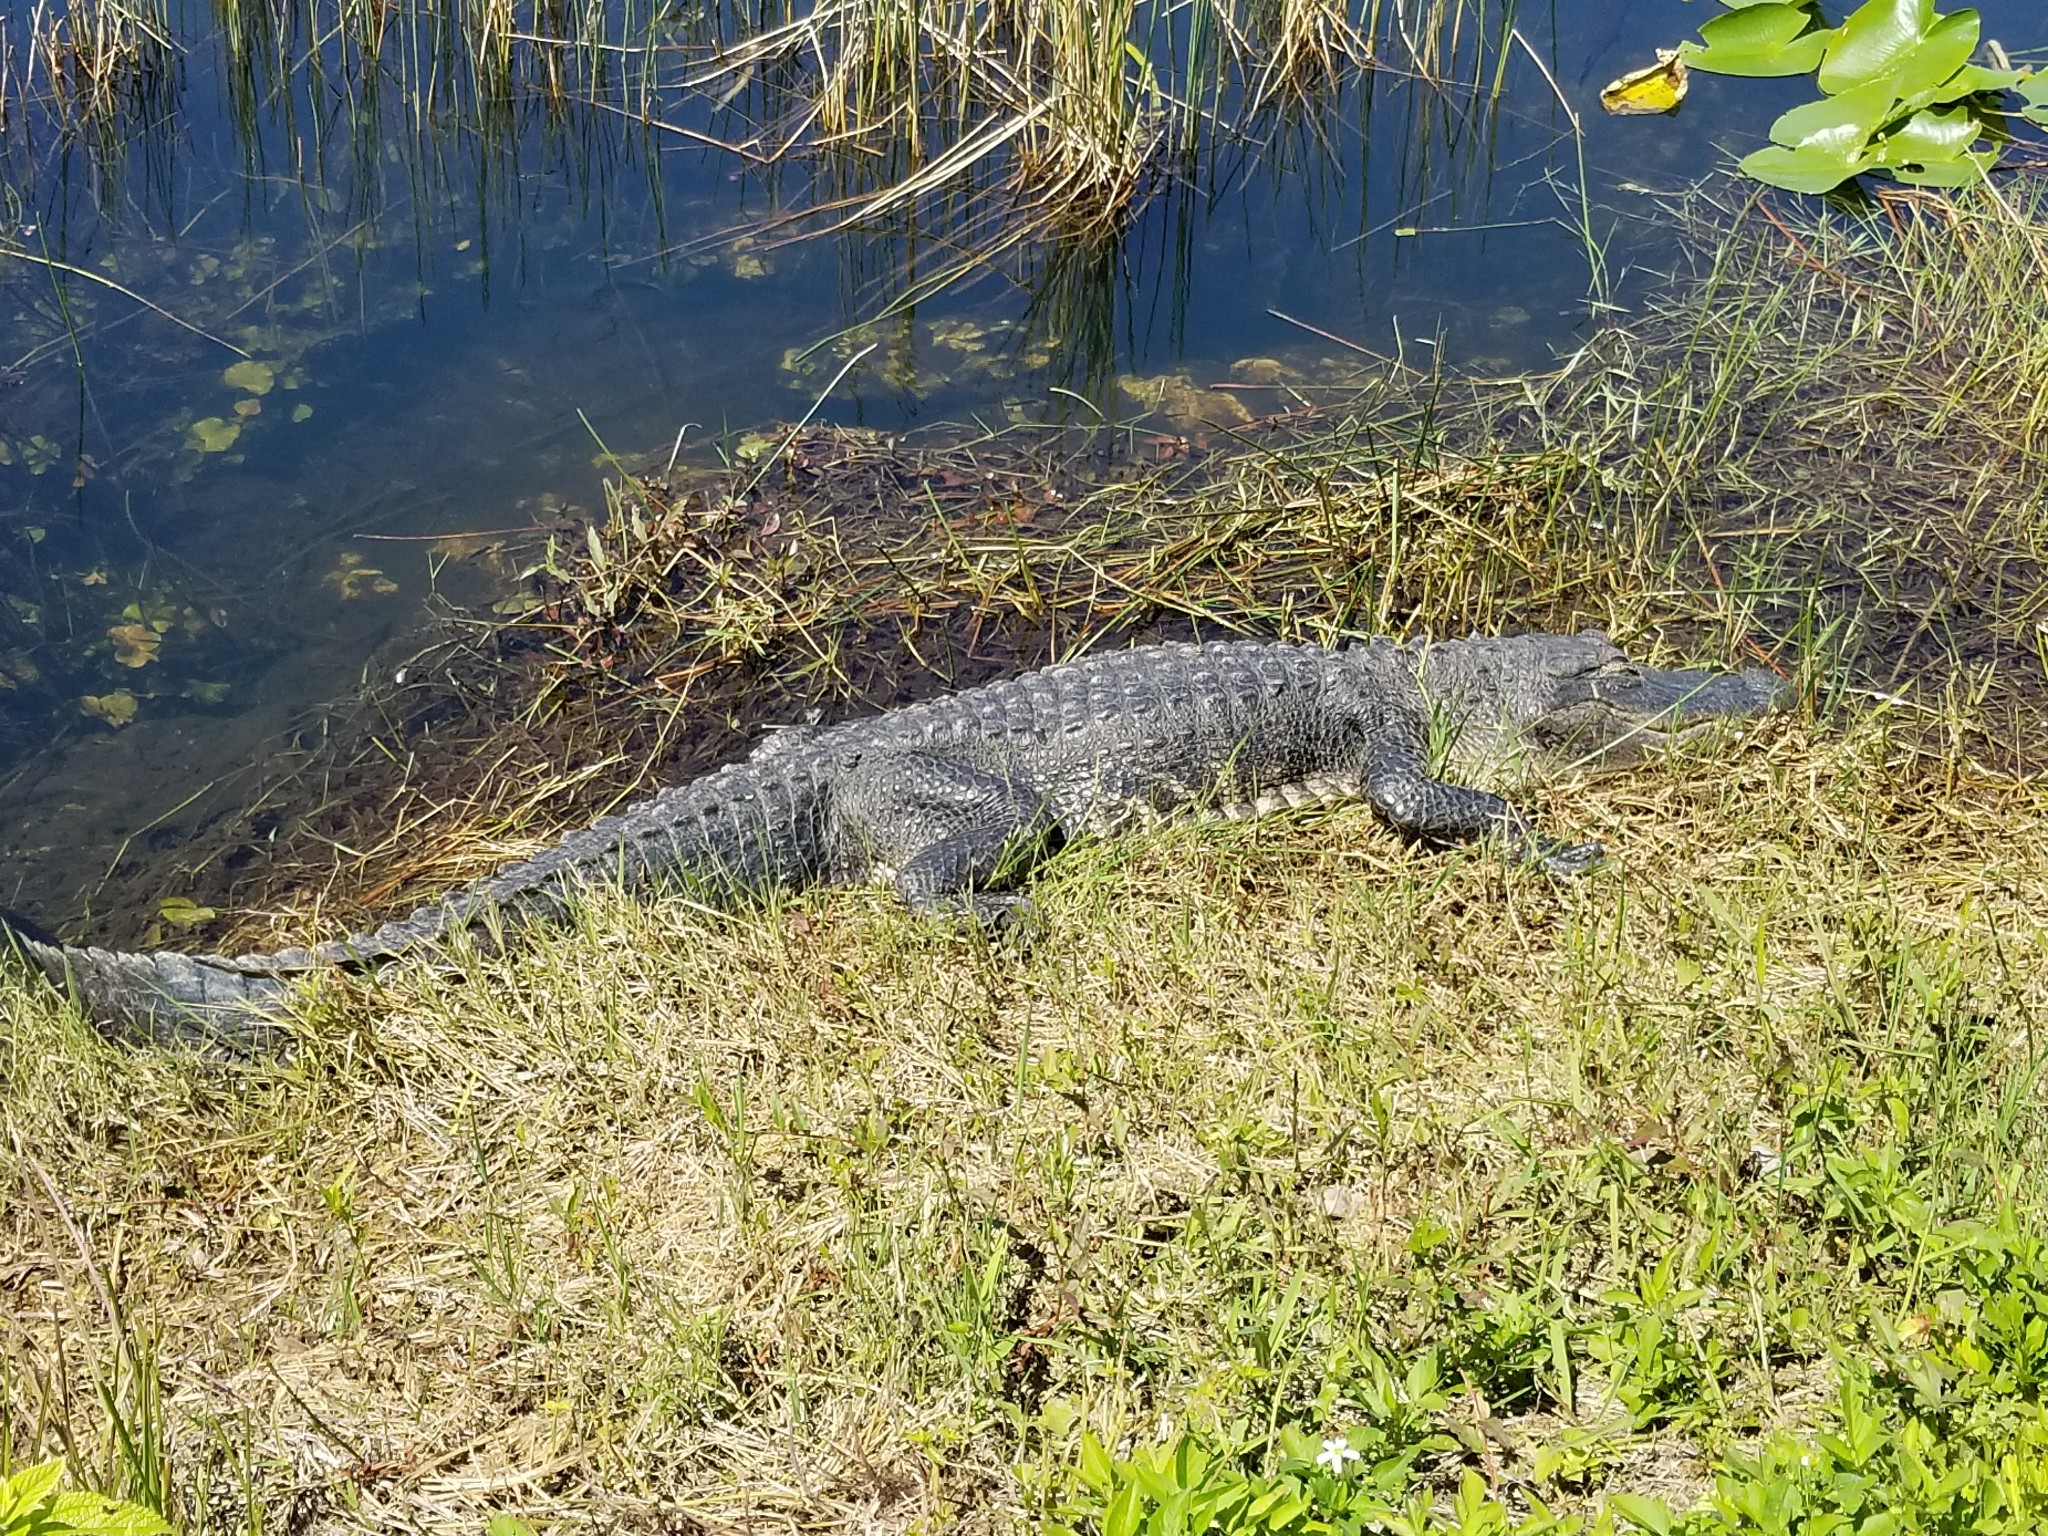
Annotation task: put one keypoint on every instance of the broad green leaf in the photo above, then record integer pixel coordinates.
(28, 1488)
(1874, 41)
(507, 1525)
(1841, 124)
(1943, 51)
(1096, 1470)
(97, 1515)
(1286, 1512)
(1639, 1509)
(1759, 28)
(1798, 57)
(2033, 91)
(1806, 169)
(1762, 40)
(1931, 135)
(1966, 170)
(1124, 1513)
(1967, 81)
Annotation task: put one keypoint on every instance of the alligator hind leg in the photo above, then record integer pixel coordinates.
(953, 836)
(1400, 787)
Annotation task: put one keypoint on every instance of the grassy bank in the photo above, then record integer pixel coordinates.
(1292, 1175)
(817, 1219)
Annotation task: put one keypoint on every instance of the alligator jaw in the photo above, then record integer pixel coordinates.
(1632, 713)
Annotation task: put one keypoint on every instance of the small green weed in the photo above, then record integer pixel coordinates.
(32, 1503)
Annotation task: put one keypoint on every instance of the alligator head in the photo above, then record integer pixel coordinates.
(1558, 703)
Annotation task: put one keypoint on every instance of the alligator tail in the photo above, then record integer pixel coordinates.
(742, 828)
(162, 998)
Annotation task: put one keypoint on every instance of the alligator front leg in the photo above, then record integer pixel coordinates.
(1401, 789)
(951, 835)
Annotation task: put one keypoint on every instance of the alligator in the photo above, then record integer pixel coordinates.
(954, 800)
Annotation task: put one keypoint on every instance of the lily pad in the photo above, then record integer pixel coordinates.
(2033, 91)
(1931, 137)
(1656, 88)
(249, 375)
(1932, 61)
(1759, 40)
(116, 708)
(1840, 124)
(210, 434)
(1876, 39)
(302, 411)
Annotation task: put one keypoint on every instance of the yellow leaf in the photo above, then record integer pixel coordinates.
(1659, 87)
(251, 376)
(210, 434)
(182, 912)
(135, 645)
(116, 708)
(96, 577)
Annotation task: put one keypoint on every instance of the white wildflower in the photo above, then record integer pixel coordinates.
(1336, 1454)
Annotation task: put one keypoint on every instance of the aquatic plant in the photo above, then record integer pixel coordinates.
(1900, 94)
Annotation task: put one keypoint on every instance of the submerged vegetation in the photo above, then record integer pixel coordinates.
(1293, 1181)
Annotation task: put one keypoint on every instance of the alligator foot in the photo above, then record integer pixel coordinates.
(1004, 914)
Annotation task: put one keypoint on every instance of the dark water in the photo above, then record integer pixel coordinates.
(437, 326)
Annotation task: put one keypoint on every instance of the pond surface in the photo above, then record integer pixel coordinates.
(280, 333)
